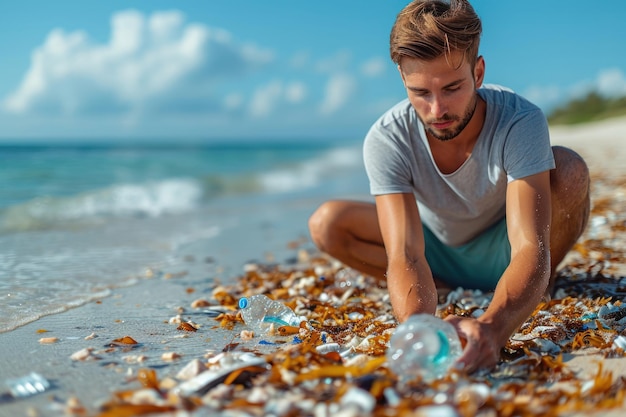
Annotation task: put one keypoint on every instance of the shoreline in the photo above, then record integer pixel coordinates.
(143, 310)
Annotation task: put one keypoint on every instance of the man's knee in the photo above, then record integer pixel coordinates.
(570, 192)
(571, 175)
(321, 225)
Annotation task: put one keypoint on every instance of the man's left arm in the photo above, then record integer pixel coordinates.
(523, 283)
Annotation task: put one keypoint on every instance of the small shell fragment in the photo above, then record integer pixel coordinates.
(620, 342)
(192, 369)
(246, 335)
(83, 354)
(48, 340)
(188, 327)
(200, 303)
(93, 335)
(360, 398)
(170, 356)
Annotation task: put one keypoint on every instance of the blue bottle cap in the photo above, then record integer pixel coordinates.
(243, 302)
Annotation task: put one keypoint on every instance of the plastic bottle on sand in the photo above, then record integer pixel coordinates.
(423, 346)
(260, 311)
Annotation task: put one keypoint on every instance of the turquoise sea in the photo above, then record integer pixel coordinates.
(79, 220)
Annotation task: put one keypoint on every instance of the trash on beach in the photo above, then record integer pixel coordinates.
(338, 365)
(24, 386)
(226, 374)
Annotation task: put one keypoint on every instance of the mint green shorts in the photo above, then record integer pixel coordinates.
(478, 264)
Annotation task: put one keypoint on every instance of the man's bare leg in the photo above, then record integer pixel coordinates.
(349, 232)
(569, 183)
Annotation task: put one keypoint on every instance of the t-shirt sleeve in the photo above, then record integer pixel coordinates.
(386, 162)
(527, 150)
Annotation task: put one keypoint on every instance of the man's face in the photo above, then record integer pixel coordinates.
(443, 96)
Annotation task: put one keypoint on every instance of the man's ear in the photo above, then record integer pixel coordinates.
(479, 71)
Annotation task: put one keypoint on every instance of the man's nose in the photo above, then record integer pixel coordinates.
(438, 107)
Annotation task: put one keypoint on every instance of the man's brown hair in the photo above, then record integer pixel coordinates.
(428, 29)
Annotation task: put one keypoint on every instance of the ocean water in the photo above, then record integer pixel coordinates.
(79, 220)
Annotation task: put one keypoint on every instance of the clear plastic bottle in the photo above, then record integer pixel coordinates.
(423, 346)
(28, 385)
(260, 311)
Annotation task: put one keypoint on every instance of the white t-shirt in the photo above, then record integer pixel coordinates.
(514, 143)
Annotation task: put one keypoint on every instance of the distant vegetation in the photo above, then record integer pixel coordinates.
(590, 108)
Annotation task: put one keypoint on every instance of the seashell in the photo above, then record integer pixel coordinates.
(167, 383)
(360, 398)
(147, 396)
(83, 354)
(208, 379)
(392, 397)
(134, 358)
(436, 410)
(188, 326)
(548, 346)
(260, 395)
(552, 333)
(73, 406)
(620, 342)
(192, 369)
(354, 342)
(246, 334)
(281, 406)
(170, 356)
(476, 394)
(346, 295)
(200, 303)
(385, 319)
(251, 267)
(48, 340)
(219, 395)
(328, 347)
(355, 316)
(365, 344)
(357, 360)
(91, 336)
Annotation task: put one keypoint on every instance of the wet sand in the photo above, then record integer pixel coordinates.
(143, 311)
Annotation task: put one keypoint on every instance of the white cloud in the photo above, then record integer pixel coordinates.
(335, 63)
(299, 60)
(339, 90)
(149, 63)
(233, 101)
(265, 99)
(543, 97)
(374, 67)
(295, 92)
(611, 83)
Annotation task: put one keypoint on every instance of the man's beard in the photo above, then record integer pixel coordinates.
(451, 134)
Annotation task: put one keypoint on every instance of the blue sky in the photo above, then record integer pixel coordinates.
(274, 69)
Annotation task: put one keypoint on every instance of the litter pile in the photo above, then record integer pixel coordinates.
(334, 362)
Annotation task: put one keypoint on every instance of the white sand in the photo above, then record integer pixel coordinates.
(602, 144)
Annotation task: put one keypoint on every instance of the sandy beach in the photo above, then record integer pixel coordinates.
(148, 312)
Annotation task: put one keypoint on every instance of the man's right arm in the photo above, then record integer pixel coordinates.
(409, 279)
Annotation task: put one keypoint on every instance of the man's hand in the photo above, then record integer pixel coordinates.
(482, 343)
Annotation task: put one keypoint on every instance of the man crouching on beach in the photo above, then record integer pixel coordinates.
(468, 191)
